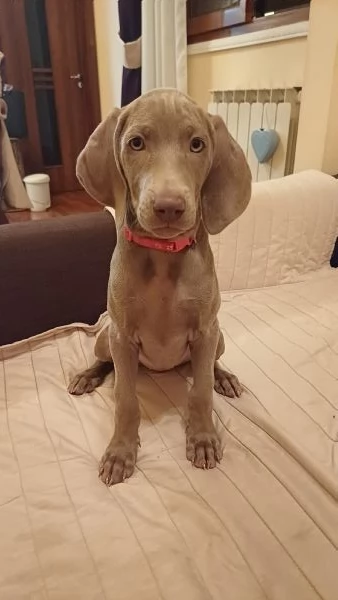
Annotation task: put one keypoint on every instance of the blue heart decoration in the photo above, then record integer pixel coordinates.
(264, 143)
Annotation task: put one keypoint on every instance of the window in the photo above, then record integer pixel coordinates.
(261, 7)
(209, 19)
(202, 7)
(211, 15)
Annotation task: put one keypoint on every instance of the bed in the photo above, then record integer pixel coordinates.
(264, 523)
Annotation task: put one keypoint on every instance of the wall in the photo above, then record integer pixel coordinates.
(330, 162)
(275, 64)
(310, 62)
(109, 54)
(317, 146)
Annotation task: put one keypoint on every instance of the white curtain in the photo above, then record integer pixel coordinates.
(164, 44)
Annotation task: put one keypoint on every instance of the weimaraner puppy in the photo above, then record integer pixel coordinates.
(174, 175)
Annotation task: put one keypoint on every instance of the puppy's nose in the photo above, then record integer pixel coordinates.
(169, 208)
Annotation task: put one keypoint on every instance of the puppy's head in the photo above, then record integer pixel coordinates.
(163, 162)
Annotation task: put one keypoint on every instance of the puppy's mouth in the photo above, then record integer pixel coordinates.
(168, 232)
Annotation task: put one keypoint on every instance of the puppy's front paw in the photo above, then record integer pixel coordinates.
(204, 450)
(117, 463)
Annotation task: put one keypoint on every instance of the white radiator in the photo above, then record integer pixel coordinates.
(247, 110)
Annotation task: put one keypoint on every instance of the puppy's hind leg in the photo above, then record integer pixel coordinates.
(87, 381)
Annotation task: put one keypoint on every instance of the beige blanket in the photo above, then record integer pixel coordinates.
(263, 525)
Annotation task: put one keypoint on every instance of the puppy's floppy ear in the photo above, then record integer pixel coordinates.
(227, 189)
(97, 168)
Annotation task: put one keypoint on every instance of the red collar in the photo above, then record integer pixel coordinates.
(157, 243)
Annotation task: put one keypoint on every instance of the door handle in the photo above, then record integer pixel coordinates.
(77, 77)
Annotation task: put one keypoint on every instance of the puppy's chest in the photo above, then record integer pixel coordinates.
(165, 305)
(166, 295)
(166, 321)
(166, 302)
(162, 304)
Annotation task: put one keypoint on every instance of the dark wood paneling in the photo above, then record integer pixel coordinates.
(73, 52)
(71, 33)
(64, 59)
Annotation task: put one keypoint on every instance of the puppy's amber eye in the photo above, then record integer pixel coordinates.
(197, 145)
(136, 143)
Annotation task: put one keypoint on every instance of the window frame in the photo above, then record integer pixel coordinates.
(220, 19)
(212, 26)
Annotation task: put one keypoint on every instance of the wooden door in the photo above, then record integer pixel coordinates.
(73, 57)
(50, 54)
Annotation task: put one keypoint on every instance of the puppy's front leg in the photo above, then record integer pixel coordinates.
(119, 459)
(203, 445)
